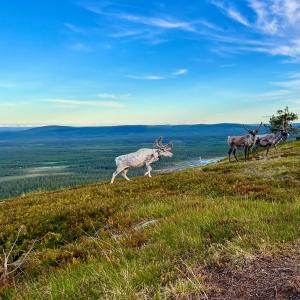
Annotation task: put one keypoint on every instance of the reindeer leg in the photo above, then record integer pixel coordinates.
(246, 150)
(115, 174)
(248, 153)
(124, 174)
(234, 153)
(229, 154)
(268, 148)
(149, 169)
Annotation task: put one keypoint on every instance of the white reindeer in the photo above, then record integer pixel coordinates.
(140, 158)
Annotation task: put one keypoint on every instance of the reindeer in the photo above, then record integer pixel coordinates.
(242, 142)
(273, 139)
(140, 158)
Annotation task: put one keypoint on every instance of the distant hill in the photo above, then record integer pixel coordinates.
(121, 132)
(12, 129)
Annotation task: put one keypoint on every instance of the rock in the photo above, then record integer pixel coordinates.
(144, 224)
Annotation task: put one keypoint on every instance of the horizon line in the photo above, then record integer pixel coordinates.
(114, 125)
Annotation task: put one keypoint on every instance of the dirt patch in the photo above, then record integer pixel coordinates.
(264, 277)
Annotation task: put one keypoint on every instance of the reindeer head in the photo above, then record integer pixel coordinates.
(253, 132)
(164, 150)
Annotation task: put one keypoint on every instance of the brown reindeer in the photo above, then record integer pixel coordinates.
(270, 140)
(242, 142)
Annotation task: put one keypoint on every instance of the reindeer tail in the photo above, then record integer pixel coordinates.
(117, 159)
(229, 140)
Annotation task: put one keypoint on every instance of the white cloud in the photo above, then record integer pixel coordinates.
(127, 33)
(180, 72)
(167, 23)
(274, 94)
(113, 96)
(231, 12)
(107, 96)
(80, 47)
(177, 73)
(293, 84)
(146, 77)
(265, 21)
(72, 102)
(163, 23)
(235, 15)
(74, 28)
(277, 22)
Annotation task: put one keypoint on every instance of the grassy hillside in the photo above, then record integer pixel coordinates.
(182, 235)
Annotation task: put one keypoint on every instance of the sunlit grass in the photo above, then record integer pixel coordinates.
(91, 246)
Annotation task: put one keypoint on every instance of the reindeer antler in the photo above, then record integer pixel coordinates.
(247, 129)
(170, 144)
(159, 144)
(261, 123)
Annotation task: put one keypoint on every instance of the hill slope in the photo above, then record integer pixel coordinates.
(180, 235)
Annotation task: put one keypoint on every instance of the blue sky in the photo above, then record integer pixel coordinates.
(147, 62)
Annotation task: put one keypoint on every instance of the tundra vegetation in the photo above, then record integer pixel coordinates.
(224, 230)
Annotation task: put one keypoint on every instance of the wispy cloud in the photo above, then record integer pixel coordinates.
(74, 28)
(166, 22)
(272, 28)
(180, 72)
(293, 83)
(127, 33)
(107, 96)
(276, 16)
(113, 96)
(277, 22)
(265, 21)
(274, 94)
(177, 73)
(72, 102)
(80, 47)
(146, 77)
(231, 12)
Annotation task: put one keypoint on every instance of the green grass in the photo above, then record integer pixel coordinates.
(210, 216)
